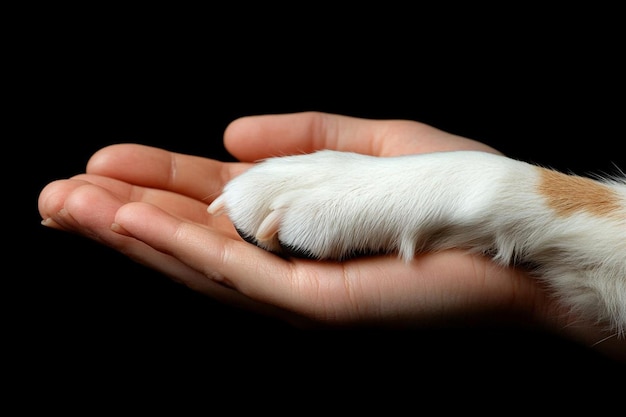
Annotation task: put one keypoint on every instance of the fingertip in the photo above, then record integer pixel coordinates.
(103, 156)
(144, 221)
(48, 199)
(239, 132)
(108, 160)
(53, 196)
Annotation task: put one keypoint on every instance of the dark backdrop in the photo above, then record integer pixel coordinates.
(87, 312)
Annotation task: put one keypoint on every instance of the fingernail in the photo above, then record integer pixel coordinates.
(48, 222)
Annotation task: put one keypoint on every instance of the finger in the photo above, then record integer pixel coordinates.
(54, 197)
(80, 206)
(59, 196)
(256, 137)
(196, 177)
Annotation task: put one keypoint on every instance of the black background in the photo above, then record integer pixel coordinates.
(82, 311)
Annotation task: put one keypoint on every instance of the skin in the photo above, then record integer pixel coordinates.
(148, 204)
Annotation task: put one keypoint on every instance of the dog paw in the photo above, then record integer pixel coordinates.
(321, 205)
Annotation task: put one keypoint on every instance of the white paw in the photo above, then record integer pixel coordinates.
(335, 205)
(321, 205)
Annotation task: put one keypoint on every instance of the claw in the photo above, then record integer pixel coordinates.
(269, 226)
(217, 207)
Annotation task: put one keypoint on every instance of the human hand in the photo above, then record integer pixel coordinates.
(150, 204)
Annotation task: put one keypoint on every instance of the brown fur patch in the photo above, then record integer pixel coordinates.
(567, 194)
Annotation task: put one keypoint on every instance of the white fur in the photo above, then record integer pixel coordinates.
(330, 205)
